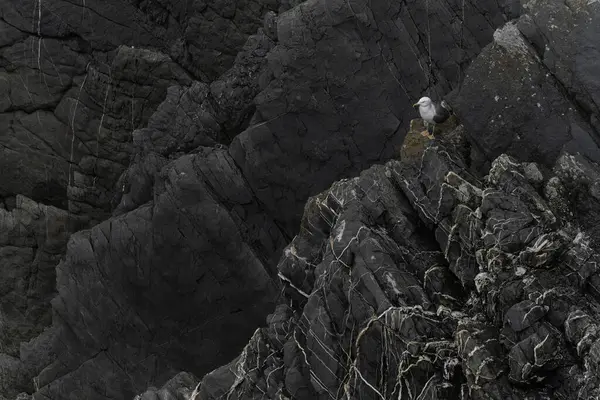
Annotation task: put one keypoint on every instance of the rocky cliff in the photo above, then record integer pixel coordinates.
(419, 280)
(175, 145)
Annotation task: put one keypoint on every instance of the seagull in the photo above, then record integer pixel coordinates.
(432, 113)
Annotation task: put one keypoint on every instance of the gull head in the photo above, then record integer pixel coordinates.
(423, 102)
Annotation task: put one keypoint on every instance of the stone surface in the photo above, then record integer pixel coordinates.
(102, 112)
(422, 277)
(33, 238)
(75, 102)
(552, 102)
(193, 116)
(415, 278)
(185, 277)
(346, 74)
(181, 387)
(80, 78)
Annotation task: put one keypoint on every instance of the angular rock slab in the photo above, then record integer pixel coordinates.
(156, 289)
(551, 104)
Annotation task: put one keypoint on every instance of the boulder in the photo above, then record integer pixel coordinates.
(551, 104)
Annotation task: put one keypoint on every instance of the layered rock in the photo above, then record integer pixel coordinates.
(102, 112)
(181, 387)
(205, 38)
(79, 86)
(152, 291)
(34, 144)
(418, 279)
(215, 32)
(193, 116)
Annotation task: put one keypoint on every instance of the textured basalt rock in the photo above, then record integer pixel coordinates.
(204, 38)
(189, 117)
(67, 136)
(75, 102)
(181, 387)
(102, 113)
(215, 32)
(80, 78)
(418, 279)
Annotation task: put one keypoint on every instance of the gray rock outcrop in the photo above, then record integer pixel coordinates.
(552, 102)
(417, 279)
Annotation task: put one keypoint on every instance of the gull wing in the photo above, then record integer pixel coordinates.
(442, 112)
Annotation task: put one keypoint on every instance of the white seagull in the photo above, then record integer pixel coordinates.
(432, 113)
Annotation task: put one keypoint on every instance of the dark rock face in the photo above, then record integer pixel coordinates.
(181, 387)
(76, 88)
(412, 279)
(157, 289)
(346, 74)
(69, 120)
(215, 32)
(577, 189)
(102, 113)
(33, 238)
(552, 102)
(189, 117)
(79, 83)
(417, 279)
(205, 37)
(34, 144)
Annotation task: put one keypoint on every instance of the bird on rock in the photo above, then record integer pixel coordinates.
(432, 113)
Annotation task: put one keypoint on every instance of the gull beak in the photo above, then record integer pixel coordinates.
(416, 105)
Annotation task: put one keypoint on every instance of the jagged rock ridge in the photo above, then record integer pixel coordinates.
(421, 281)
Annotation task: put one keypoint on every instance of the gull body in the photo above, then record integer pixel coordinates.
(432, 113)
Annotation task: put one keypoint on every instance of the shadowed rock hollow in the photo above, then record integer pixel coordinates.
(185, 140)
